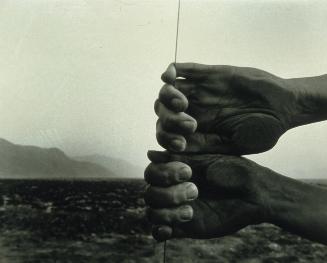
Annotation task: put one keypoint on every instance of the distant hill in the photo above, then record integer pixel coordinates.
(120, 167)
(35, 162)
(316, 181)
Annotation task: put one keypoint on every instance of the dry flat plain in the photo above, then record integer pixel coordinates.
(103, 221)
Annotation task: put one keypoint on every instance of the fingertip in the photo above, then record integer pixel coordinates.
(162, 233)
(170, 141)
(178, 145)
(184, 173)
(192, 191)
(169, 75)
(190, 125)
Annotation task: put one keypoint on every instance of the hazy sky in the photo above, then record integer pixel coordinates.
(82, 75)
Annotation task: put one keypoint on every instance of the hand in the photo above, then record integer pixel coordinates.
(222, 109)
(223, 195)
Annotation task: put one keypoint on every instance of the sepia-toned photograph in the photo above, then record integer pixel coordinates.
(164, 131)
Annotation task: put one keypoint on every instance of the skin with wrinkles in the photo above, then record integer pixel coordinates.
(228, 197)
(225, 109)
(213, 114)
(213, 195)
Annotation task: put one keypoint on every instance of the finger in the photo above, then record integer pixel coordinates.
(169, 76)
(208, 143)
(192, 70)
(172, 98)
(197, 71)
(174, 122)
(171, 216)
(171, 196)
(162, 233)
(185, 70)
(164, 157)
(167, 174)
(170, 141)
(194, 161)
(158, 156)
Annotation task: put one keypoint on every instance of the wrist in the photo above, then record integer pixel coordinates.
(310, 101)
(299, 208)
(287, 198)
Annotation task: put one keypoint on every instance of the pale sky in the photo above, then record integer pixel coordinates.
(82, 75)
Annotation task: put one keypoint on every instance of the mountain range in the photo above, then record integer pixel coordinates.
(119, 167)
(22, 161)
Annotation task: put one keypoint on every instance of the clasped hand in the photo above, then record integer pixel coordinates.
(208, 116)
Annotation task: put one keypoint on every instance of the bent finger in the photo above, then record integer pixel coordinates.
(172, 98)
(176, 215)
(158, 197)
(167, 174)
(169, 76)
(170, 141)
(192, 70)
(174, 122)
(185, 70)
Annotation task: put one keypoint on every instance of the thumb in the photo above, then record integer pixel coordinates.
(165, 157)
(158, 156)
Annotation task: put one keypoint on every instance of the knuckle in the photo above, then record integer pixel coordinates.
(165, 91)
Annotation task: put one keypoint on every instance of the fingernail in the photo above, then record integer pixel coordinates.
(191, 191)
(178, 145)
(189, 125)
(184, 173)
(186, 213)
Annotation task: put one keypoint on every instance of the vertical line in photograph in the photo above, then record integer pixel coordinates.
(175, 60)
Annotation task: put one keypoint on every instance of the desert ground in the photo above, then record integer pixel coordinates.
(103, 221)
